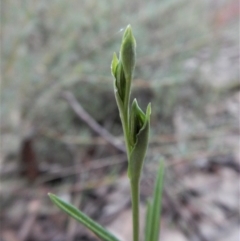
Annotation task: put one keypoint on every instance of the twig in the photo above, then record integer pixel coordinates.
(169, 139)
(78, 169)
(83, 115)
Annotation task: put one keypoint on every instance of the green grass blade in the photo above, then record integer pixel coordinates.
(83, 219)
(157, 203)
(148, 221)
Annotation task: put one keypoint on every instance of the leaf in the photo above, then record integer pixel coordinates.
(155, 208)
(118, 100)
(139, 150)
(83, 219)
(148, 223)
(114, 64)
(120, 81)
(137, 119)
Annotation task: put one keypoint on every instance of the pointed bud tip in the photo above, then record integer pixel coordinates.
(148, 111)
(128, 32)
(129, 28)
(114, 64)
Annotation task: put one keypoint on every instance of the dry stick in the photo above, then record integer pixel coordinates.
(118, 159)
(77, 169)
(162, 139)
(83, 115)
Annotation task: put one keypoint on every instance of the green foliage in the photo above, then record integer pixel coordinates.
(139, 132)
(152, 223)
(82, 218)
(51, 46)
(136, 126)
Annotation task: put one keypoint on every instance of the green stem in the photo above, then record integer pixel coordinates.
(126, 117)
(135, 208)
(127, 134)
(124, 114)
(127, 95)
(134, 181)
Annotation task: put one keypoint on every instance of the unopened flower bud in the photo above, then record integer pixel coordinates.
(128, 53)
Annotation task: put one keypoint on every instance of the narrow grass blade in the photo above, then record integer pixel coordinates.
(156, 205)
(102, 233)
(148, 221)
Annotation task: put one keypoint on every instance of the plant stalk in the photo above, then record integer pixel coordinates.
(135, 208)
(124, 120)
(124, 115)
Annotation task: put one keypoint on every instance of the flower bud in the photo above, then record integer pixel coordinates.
(128, 53)
(122, 68)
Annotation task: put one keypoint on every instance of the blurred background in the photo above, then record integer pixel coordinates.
(60, 128)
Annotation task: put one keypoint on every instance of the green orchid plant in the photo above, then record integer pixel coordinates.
(136, 124)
